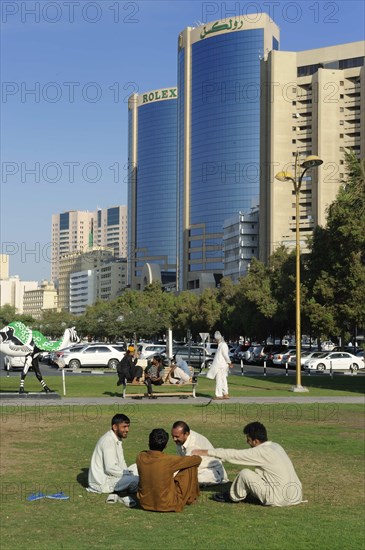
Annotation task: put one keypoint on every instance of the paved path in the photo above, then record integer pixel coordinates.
(55, 399)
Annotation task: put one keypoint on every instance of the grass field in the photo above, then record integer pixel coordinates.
(48, 448)
(244, 386)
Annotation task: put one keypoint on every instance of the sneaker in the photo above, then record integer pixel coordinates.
(129, 502)
(226, 396)
(112, 499)
(36, 496)
(22, 390)
(58, 496)
(48, 390)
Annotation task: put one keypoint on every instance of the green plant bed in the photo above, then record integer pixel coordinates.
(99, 385)
(48, 448)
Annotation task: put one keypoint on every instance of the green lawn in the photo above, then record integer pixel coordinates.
(98, 385)
(48, 448)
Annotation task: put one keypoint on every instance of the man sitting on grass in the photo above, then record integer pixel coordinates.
(274, 481)
(108, 471)
(166, 482)
(211, 470)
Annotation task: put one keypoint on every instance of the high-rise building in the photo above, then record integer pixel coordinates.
(36, 301)
(105, 282)
(110, 229)
(75, 263)
(313, 103)
(4, 266)
(241, 243)
(12, 291)
(219, 86)
(80, 231)
(152, 206)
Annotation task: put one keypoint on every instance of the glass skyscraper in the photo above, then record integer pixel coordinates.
(218, 136)
(152, 182)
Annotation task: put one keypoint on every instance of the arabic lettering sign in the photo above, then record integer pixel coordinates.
(217, 27)
(157, 95)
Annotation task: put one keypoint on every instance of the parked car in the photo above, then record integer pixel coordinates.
(240, 353)
(337, 360)
(197, 354)
(305, 356)
(13, 363)
(147, 350)
(99, 355)
(282, 357)
(275, 349)
(261, 353)
(360, 354)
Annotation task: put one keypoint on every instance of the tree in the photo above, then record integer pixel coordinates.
(336, 265)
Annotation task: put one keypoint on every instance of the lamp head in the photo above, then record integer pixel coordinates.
(284, 176)
(311, 162)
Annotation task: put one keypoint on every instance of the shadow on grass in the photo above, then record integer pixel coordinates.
(113, 394)
(82, 477)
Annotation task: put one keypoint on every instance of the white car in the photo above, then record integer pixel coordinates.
(305, 356)
(12, 363)
(92, 355)
(147, 351)
(335, 360)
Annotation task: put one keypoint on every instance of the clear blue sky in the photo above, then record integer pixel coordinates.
(83, 59)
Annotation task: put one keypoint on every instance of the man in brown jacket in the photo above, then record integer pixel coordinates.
(160, 490)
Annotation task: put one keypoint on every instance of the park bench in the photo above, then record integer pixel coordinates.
(138, 391)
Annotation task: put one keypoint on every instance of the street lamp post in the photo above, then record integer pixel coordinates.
(309, 162)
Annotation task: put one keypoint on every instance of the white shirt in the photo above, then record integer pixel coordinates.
(107, 462)
(273, 466)
(198, 441)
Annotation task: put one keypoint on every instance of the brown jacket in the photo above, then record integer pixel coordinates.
(159, 490)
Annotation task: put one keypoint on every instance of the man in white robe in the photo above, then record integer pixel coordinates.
(219, 369)
(274, 481)
(108, 471)
(211, 470)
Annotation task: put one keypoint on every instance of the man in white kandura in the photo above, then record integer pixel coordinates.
(219, 368)
(274, 481)
(210, 470)
(108, 471)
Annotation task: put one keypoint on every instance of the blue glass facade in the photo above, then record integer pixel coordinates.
(113, 216)
(224, 140)
(64, 221)
(156, 187)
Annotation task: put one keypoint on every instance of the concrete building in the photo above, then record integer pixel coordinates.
(45, 297)
(240, 243)
(312, 102)
(4, 267)
(102, 283)
(82, 291)
(110, 229)
(152, 185)
(111, 279)
(219, 86)
(75, 263)
(80, 231)
(12, 291)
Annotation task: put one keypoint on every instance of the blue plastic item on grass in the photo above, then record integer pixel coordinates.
(36, 496)
(58, 496)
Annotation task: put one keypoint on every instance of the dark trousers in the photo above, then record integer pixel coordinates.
(149, 383)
